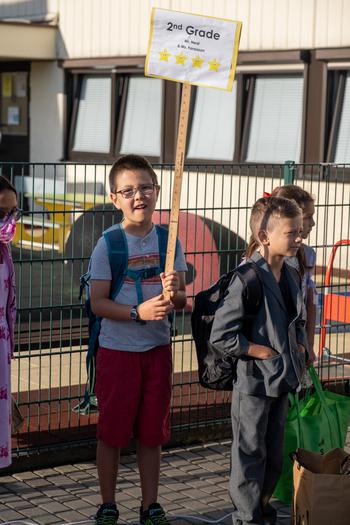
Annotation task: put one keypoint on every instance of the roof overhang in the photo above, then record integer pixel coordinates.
(23, 41)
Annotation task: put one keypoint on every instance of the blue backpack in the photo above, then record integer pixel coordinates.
(117, 247)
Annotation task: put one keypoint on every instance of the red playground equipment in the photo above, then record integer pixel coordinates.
(335, 314)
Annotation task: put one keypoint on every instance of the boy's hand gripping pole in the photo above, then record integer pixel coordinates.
(179, 164)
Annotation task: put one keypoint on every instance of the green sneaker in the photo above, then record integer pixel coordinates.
(154, 515)
(107, 514)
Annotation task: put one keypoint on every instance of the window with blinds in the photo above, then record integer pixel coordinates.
(212, 132)
(93, 126)
(143, 117)
(342, 149)
(276, 119)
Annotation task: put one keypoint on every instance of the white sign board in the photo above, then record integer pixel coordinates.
(191, 48)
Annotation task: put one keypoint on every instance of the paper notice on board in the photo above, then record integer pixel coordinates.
(6, 85)
(13, 116)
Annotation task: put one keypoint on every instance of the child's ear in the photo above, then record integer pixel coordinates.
(263, 238)
(114, 200)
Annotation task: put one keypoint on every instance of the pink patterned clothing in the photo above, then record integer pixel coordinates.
(7, 321)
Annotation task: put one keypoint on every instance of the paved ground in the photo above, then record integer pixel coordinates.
(194, 482)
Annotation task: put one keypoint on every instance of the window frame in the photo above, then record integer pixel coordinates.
(335, 115)
(240, 102)
(250, 63)
(332, 61)
(120, 80)
(250, 79)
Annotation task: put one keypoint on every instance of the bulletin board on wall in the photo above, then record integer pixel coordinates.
(14, 103)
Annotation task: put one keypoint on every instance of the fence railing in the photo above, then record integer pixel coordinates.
(67, 207)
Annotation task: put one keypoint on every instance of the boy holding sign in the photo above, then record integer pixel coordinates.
(134, 361)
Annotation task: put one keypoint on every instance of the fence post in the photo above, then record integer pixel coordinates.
(288, 172)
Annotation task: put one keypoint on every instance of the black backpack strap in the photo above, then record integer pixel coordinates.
(249, 276)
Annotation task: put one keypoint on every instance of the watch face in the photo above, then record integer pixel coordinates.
(133, 313)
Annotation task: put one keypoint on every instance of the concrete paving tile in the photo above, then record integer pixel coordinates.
(124, 484)
(197, 483)
(177, 486)
(31, 494)
(92, 485)
(38, 483)
(3, 508)
(40, 498)
(211, 466)
(169, 472)
(172, 496)
(5, 479)
(48, 519)
(19, 504)
(92, 498)
(9, 497)
(134, 492)
(70, 515)
(80, 492)
(75, 503)
(178, 462)
(60, 480)
(79, 475)
(17, 487)
(83, 466)
(4, 490)
(173, 508)
(45, 472)
(128, 516)
(24, 476)
(128, 467)
(10, 514)
(65, 469)
(191, 456)
(53, 506)
(33, 511)
(122, 496)
(195, 494)
(54, 492)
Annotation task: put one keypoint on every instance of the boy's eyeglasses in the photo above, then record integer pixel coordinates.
(15, 213)
(145, 189)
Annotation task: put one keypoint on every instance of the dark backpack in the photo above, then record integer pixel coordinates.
(117, 247)
(216, 368)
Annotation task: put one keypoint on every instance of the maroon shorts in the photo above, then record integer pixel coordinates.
(133, 391)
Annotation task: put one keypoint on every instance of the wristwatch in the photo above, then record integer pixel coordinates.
(134, 314)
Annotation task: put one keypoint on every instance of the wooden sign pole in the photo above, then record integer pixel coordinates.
(179, 164)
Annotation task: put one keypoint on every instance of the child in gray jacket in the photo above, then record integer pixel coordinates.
(271, 354)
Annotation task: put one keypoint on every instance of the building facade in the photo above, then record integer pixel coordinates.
(73, 85)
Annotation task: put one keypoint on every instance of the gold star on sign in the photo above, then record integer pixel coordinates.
(214, 65)
(164, 55)
(197, 61)
(180, 59)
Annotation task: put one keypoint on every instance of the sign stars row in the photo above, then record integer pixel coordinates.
(197, 61)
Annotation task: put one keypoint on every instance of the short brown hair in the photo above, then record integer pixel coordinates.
(5, 184)
(294, 192)
(263, 210)
(130, 162)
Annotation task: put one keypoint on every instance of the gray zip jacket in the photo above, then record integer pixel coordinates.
(271, 327)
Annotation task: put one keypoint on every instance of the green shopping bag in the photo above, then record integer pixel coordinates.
(319, 422)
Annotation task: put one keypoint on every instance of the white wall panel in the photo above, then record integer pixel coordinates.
(46, 112)
(93, 28)
(307, 21)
